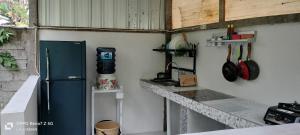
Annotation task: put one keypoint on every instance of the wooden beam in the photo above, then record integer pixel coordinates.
(244, 22)
(243, 9)
(168, 14)
(221, 10)
(238, 23)
(168, 57)
(168, 36)
(101, 29)
(268, 20)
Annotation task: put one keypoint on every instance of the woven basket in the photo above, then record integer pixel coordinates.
(107, 128)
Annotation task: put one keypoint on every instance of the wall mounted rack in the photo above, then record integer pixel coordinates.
(217, 41)
(190, 52)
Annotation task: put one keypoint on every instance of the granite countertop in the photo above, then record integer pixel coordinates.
(287, 129)
(232, 111)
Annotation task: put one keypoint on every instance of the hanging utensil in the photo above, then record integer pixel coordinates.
(242, 67)
(229, 69)
(252, 65)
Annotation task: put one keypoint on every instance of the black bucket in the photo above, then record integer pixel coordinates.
(106, 60)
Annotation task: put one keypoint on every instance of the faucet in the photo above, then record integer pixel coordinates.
(168, 65)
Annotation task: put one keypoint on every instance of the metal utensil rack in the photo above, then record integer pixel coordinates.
(190, 53)
(219, 43)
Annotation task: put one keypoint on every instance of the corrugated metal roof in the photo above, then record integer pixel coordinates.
(127, 14)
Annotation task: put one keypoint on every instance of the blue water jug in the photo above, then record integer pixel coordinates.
(106, 60)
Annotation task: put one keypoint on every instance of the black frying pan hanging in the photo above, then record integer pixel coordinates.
(252, 65)
(229, 69)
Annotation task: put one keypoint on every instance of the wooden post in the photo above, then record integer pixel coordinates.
(168, 26)
(33, 13)
(168, 57)
(222, 11)
(168, 14)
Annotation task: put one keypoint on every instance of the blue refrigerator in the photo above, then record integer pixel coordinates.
(62, 97)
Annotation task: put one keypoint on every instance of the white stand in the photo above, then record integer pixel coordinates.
(119, 97)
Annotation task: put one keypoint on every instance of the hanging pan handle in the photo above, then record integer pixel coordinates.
(241, 53)
(229, 52)
(249, 48)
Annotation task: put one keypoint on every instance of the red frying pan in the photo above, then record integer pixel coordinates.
(243, 70)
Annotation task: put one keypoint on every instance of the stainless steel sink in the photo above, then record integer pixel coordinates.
(166, 82)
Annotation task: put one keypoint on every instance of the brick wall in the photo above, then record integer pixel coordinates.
(22, 46)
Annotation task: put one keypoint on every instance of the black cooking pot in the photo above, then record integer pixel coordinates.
(229, 69)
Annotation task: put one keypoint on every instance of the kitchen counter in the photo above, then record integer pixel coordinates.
(232, 111)
(287, 129)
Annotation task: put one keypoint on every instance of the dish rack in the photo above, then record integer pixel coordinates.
(191, 52)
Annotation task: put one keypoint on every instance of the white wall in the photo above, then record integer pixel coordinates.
(277, 53)
(143, 111)
(19, 117)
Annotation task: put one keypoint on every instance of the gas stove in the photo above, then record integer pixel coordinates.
(283, 113)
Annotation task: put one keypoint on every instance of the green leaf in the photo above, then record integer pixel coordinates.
(1, 31)
(7, 64)
(14, 67)
(8, 61)
(7, 36)
(1, 40)
(13, 62)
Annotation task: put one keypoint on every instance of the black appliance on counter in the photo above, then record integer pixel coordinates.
(283, 113)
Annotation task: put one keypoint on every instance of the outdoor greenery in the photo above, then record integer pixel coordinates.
(6, 59)
(14, 12)
(4, 36)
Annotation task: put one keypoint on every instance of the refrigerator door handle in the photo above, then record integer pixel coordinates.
(74, 77)
(48, 95)
(48, 80)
